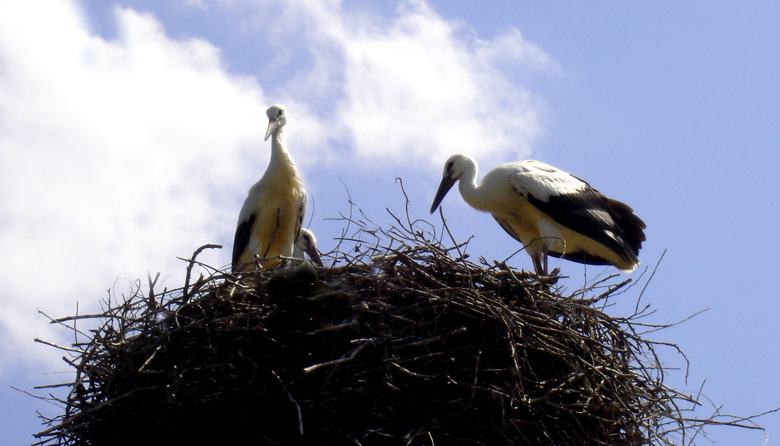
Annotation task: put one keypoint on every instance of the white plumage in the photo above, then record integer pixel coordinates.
(550, 212)
(272, 214)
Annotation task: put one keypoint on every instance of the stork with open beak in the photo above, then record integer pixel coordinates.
(272, 214)
(550, 212)
(307, 243)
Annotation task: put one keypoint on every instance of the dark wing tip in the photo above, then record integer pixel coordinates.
(241, 239)
(621, 230)
(632, 226)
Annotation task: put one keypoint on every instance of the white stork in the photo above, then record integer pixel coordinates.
(271, 217)
(550, 212)
(307, 243)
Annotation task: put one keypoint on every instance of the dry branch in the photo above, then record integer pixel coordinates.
(401, 345)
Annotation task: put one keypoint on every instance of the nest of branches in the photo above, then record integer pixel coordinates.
(406, 343)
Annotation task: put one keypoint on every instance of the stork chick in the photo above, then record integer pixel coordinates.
(307, 243)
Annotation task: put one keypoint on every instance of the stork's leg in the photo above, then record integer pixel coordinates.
(540, 261)
(537, 260)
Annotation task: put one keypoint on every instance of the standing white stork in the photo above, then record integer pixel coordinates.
(307, 243)
(550, 212)
(271, 217)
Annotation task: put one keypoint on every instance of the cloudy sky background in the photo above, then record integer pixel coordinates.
(130, 132)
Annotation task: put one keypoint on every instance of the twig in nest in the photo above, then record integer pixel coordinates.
(403, 344)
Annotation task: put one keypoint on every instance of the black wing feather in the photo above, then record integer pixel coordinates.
(301, 215)
(241, 240)
(632, 226)
(594, 215)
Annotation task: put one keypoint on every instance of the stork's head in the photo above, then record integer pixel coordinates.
(454, 168)
(276, 119)
(307, 243)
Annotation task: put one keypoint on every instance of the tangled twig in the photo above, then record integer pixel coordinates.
(401, 344)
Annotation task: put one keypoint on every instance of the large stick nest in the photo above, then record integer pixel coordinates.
(410, 347)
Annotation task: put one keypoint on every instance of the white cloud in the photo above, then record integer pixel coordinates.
(415, 87)
(116, 156)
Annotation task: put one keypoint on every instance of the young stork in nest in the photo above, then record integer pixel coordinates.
(550, 212)
(271, 218)
(307, 243)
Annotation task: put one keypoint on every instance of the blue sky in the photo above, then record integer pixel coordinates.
(130, 132)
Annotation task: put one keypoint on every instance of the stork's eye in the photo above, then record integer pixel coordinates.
(279, 114)
(449, 166)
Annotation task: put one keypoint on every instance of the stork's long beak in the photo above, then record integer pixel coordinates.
(444, 187)
(273, 124)
(314, 255)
